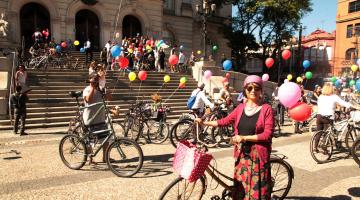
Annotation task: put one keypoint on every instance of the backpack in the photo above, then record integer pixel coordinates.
(191, 101)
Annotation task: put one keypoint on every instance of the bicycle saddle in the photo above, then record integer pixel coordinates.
(74, 94)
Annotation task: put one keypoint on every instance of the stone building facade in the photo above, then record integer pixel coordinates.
(174, 21)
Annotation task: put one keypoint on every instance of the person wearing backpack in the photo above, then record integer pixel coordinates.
(198, 100)
(18, 102)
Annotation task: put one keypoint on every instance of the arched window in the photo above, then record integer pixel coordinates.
(350, 53)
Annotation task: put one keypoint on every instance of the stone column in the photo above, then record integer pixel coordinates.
(5, 81)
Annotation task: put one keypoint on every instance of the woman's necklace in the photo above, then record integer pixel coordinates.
(252, 110)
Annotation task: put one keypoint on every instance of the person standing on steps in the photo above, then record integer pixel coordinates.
(88, 51)
(18, 103)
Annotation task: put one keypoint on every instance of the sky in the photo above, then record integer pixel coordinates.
(323, 16)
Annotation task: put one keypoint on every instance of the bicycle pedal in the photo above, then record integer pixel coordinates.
(215, 197)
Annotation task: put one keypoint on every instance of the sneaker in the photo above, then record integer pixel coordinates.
(22, 134)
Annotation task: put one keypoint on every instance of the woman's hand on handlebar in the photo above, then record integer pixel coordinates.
(237, 139)
(198, 120)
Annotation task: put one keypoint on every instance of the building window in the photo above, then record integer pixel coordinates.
(354, 6)
(350, 53)
(349, 31)
(169, 6)
(357, 29)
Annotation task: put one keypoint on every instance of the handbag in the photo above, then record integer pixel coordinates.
(189, 162)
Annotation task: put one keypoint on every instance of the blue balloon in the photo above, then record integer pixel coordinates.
(181, 47)
(358, 84)
(58, 48)
(82, 49)
(338, 83)
(115, 51)
(227, 64)
(306, 64)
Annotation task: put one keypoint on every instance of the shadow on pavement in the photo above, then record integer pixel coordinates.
(354, 191)
(155, 166)
(337, 197)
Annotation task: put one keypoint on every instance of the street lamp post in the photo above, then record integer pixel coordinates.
(205, 11)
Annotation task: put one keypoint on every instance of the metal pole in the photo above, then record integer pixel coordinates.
(299, 50)
(205, 35)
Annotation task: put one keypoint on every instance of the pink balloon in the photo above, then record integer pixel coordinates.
(227, 75)
(265, 77)
(286, 54)
(173, 59)
(269, 62)
(207, 74)
(142, 75)
(225, 80)
(289, 94)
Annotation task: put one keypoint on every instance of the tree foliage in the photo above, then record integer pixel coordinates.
(263, 24)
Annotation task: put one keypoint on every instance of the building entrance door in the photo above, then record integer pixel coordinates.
(131, 26)
(87, 27)
(33, 16)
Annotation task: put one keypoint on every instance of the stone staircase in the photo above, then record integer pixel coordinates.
(81, 57)
(51, 106)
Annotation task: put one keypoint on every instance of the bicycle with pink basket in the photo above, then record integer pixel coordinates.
(191, 162)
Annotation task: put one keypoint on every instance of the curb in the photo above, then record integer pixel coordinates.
(34, 141)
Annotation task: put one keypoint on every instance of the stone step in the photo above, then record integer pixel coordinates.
(115, 95)
(117, 90)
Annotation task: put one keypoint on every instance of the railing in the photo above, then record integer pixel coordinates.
(11, 88)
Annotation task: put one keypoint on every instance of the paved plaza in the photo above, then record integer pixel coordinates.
(31, 169)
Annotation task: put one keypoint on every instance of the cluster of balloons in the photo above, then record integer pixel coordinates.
(227, 65)
(207, 75)
(289, 95)
(182, 82)
(142, 75)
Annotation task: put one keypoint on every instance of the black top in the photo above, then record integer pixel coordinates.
(247, 124)
(18, 101)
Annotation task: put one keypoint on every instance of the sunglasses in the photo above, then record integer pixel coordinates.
(250, 88)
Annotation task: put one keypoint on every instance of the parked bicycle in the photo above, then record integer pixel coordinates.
(123, 156)
(355, 151)
(325, 141)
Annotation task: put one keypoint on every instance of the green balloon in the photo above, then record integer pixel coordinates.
(215, 47)
(352, 83)
(333, 79)
(308, 75)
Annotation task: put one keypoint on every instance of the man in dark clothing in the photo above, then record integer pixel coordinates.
(18, 102)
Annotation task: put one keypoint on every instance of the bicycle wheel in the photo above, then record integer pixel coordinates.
(321, 146)
(182, 130)
(351, 135)
(281, 178)
(132, 128)
(180, 188)
(312, 127)
(124, 157)
(72, 151)
(355, 151)
(157, 132)
(277, 128)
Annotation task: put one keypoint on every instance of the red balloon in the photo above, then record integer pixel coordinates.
(124, 62)
(181, 85)
(269, 62)
(148, 42)
(286, 54)
(173, 59)
(300, 112)
(227, 75)
(225, 80)
(63, 44)
(142, 75)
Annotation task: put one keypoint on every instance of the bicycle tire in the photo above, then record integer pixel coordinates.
(355, 151)
(172, 190)
(277, 129)
(319, 144)
(176, 136)
(279, 176)
(351, 135)
(160, 133)
(132, 165)
(132, 128)
(77, 146)
(313, 126)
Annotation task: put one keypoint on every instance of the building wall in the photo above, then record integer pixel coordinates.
(343, 19)
(182, 23)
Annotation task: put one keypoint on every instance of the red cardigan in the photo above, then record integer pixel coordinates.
(264, 129)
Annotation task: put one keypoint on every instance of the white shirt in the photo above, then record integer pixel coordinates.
(107, 46)
(327, 104)
(89, 113)
(87, 45)
(201, 100)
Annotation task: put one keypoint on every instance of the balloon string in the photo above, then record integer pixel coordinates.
(160, 88)
(171, 95)
(117, 20)
(137, 96)
(117, 80)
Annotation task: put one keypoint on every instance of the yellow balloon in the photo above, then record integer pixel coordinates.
(183, 80)
(130, 50)
(354, 68)
(289, 77)
(199, 52)
(76, 42)
(166, 78)
(132, 76)
(299, 79)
